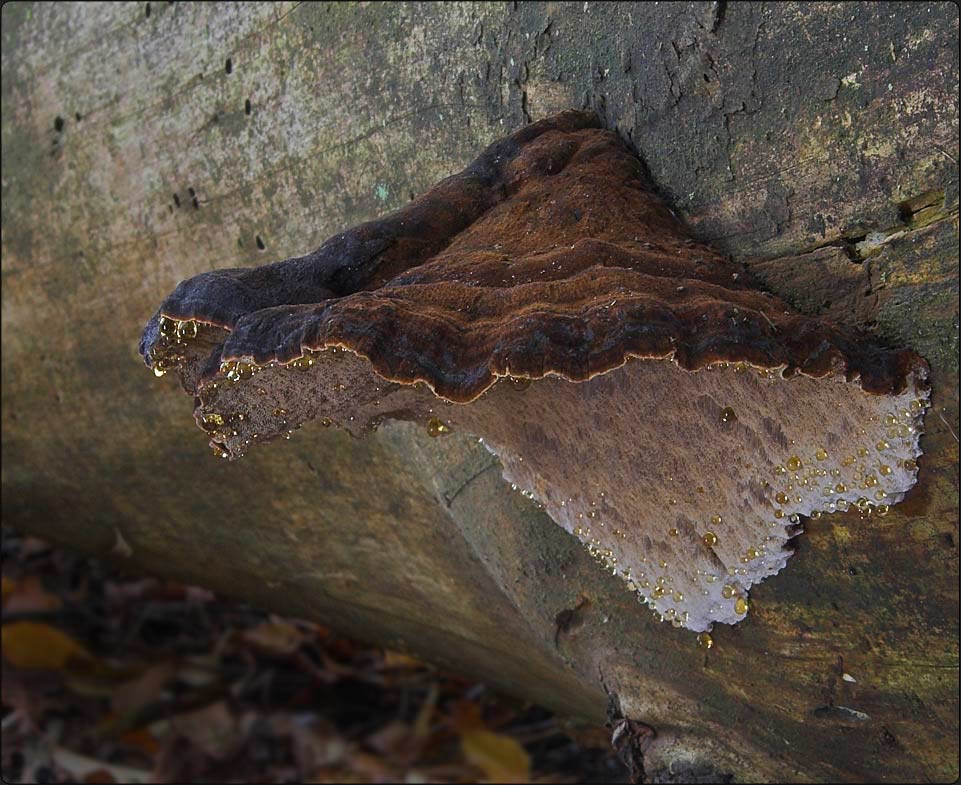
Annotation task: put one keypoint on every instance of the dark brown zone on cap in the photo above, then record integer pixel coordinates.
(550, 253)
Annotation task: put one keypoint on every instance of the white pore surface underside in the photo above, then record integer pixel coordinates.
(689, 485)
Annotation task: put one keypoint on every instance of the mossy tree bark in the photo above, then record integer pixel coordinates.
(817, 143)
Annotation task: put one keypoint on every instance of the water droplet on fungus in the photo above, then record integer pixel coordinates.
(728, 415)
(705, 641)
(437, 428)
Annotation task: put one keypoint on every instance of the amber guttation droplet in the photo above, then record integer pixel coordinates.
(793, 463)
(674, 532)
(727, 591)
(326, 422)
(821, 454)
(213, 418)
(728, 415)
(436, 427)
(740, 606)
(705, 641)
(167, 326)
(710, 539)
(884, 469)
(187, 329)
(715, 519)
(301, 363)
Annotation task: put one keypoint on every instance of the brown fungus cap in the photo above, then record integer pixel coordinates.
(662, 408)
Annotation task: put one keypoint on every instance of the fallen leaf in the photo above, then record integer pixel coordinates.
(120, 546)
(276, 637)
(143, 740)
(501, 758)
(316, 743)
(28, 596)
(29, 644)
(131, 696)
(80, 767)
(212, 729)
(7, 586)
(99, 777)
(395, 659)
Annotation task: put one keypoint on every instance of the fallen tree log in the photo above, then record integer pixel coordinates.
(816, 144)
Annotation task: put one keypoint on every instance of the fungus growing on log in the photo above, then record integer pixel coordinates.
(662, 408)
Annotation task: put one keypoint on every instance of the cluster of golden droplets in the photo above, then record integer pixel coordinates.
(237, 371)
(651, 584)
(172, 343)
(221, 429)
(864, 469)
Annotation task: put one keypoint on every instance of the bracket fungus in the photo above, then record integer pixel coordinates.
(659, 405)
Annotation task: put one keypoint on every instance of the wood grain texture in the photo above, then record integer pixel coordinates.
(770, 128)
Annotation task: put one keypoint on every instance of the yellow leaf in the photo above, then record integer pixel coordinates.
(8, 587)
(28, 644)
(396, 659)
(501, 758)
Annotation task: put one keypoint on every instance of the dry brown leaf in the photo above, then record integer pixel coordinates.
(392, 739)
(28, 596)
(212, 729)
(29, 644)
(316, 743)
(143, 740)
(371, 768)
(131, 696)
(276, 637)
(81, 766)
(120, 546)
(501, 758)
(396, 659)
(7, 587)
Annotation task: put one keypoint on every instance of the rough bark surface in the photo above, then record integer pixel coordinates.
(818, 143)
